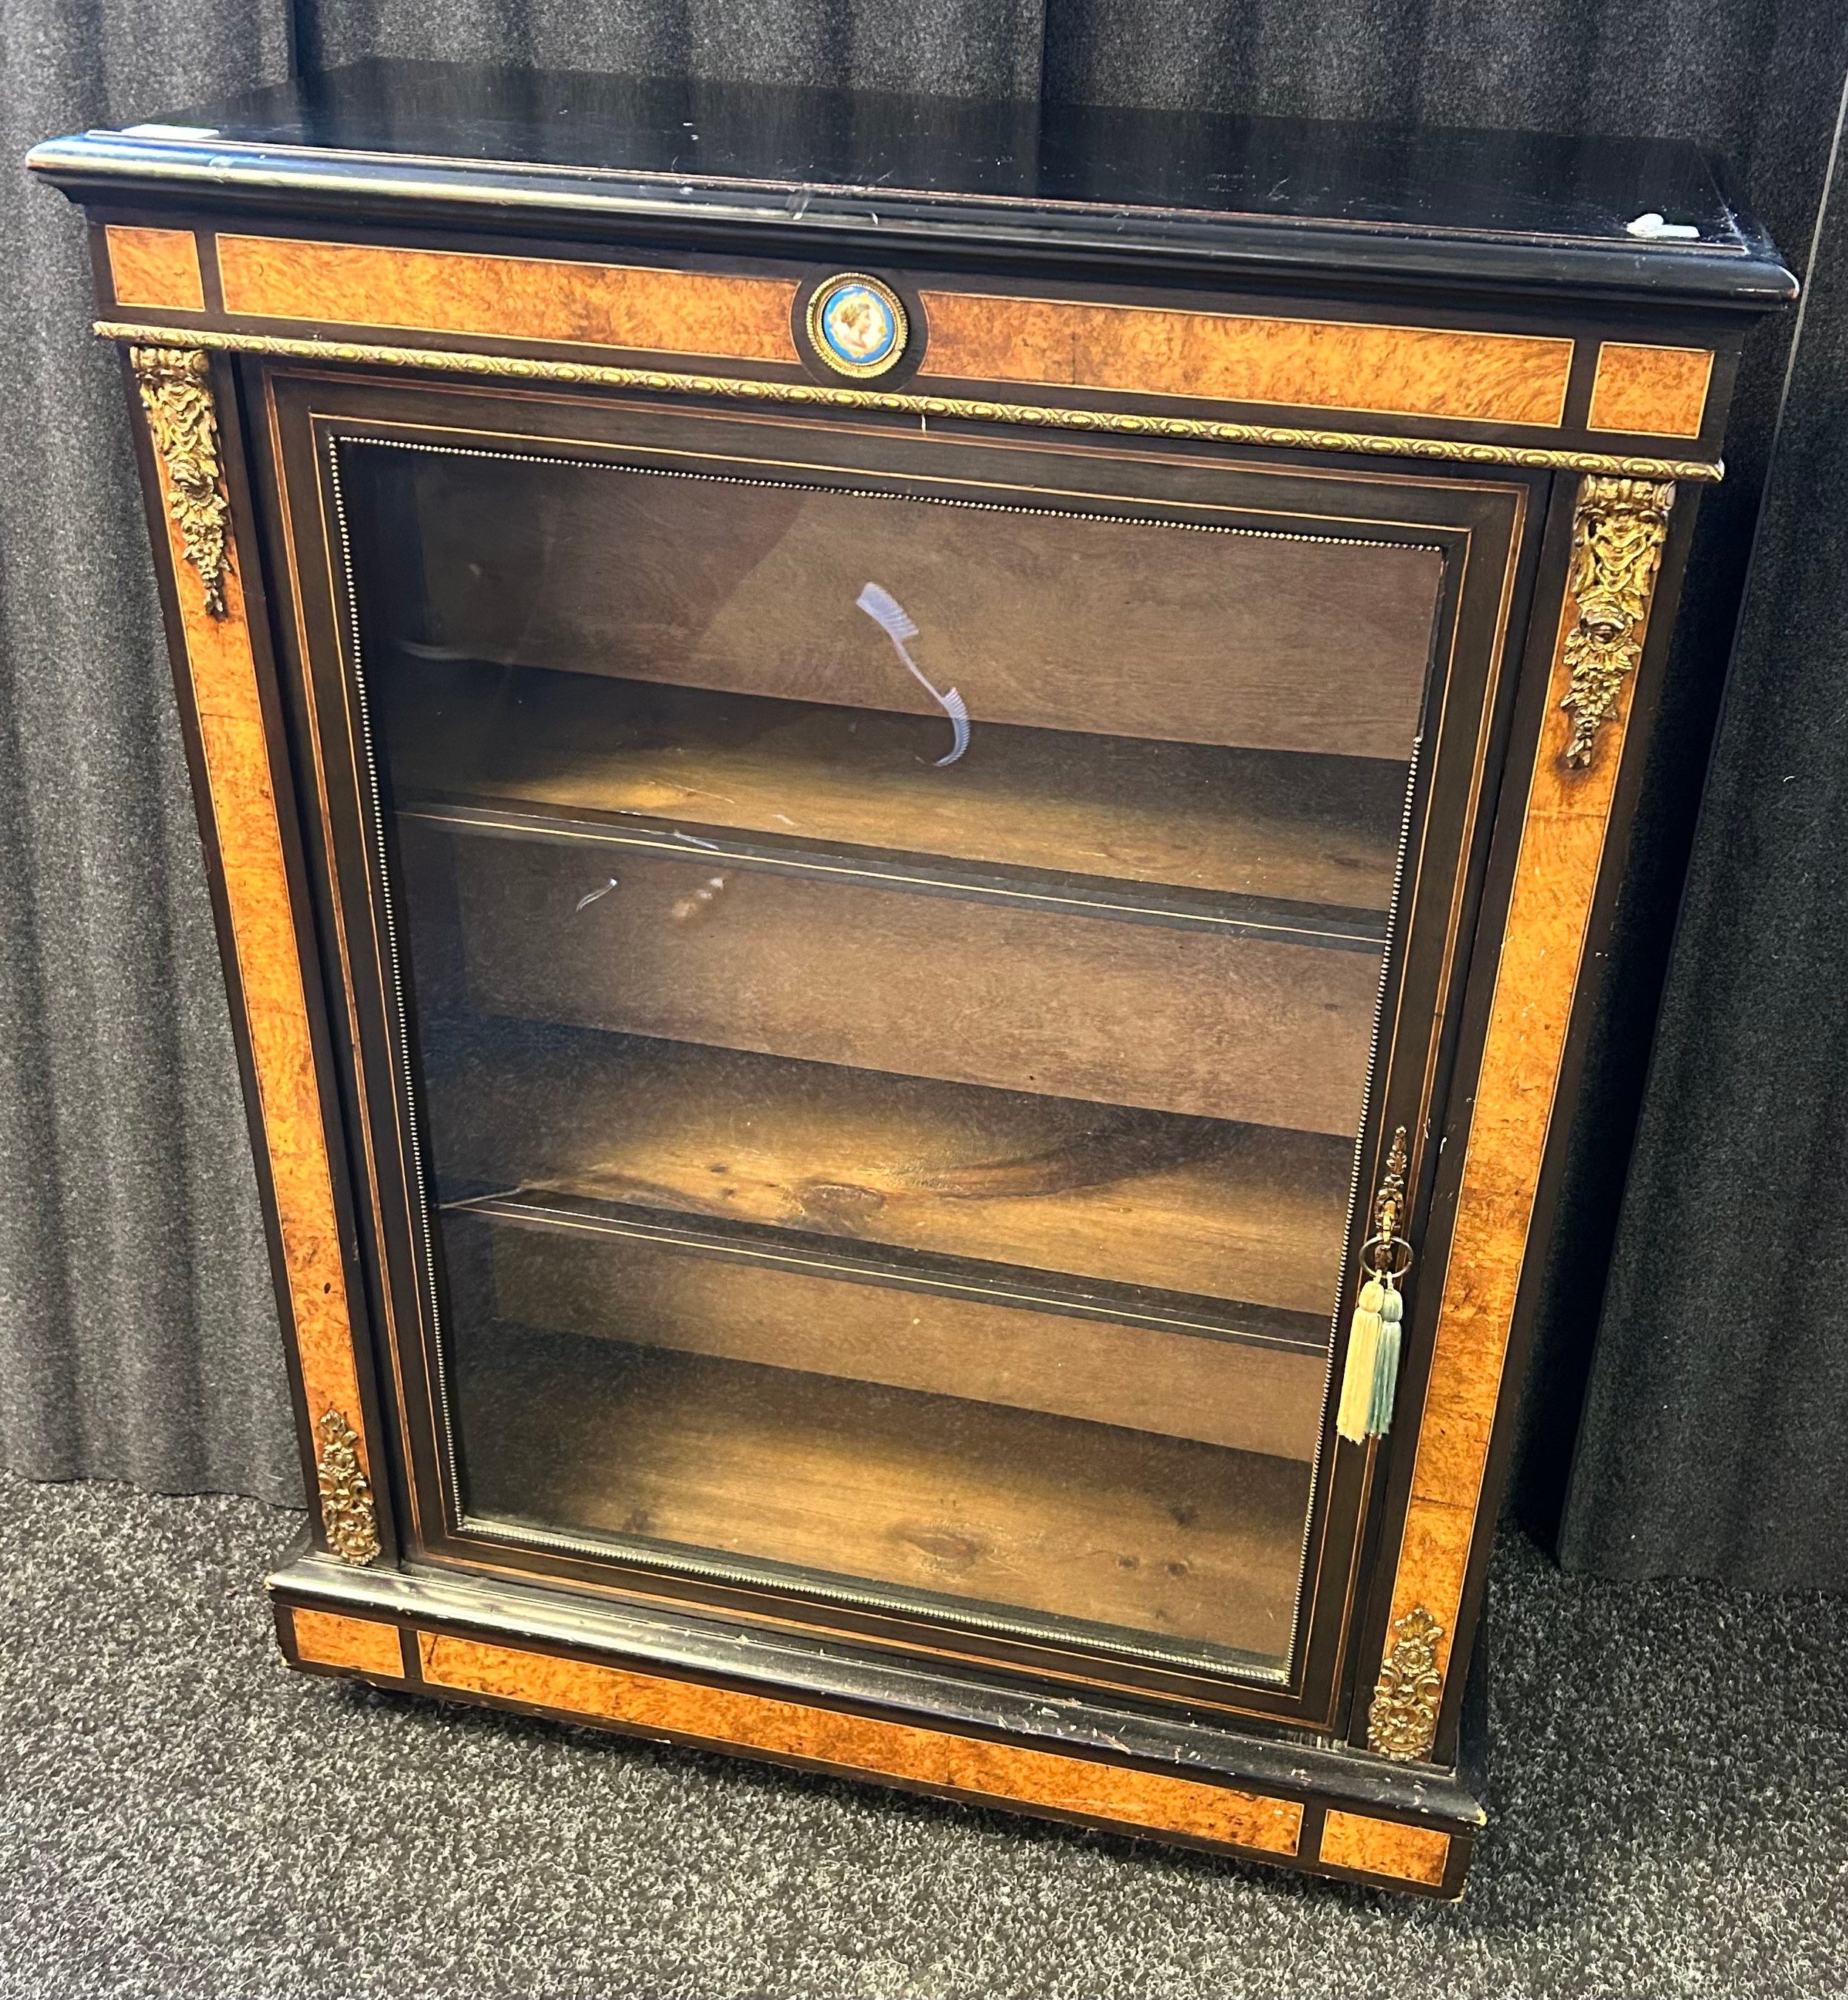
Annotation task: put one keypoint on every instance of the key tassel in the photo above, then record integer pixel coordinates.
(1385, 1365)
(1370, 1382)
(1356, 1412)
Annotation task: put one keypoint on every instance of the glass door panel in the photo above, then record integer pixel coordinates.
(893, 985)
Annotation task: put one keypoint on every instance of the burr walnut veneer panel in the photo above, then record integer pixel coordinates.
(1233, 358)
(234, 747)
(964, 1767)
(1653, 391)
(1385, 1847)
(330, 1639)
(1567, 814)
(531, 298)
(155, 267)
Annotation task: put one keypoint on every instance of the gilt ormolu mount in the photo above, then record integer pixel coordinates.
(818, 1110)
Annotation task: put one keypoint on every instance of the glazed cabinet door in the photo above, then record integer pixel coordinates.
(883, 966)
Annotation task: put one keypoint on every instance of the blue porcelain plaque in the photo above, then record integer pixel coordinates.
(857, 325)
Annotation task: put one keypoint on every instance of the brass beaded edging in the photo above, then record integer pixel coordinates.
(1122, 423)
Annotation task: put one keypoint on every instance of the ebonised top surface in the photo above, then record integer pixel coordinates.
(1481, 205)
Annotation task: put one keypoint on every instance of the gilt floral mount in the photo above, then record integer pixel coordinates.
(1618, 531)
(175, 384)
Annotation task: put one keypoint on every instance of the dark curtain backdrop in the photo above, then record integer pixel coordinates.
(136, 1338)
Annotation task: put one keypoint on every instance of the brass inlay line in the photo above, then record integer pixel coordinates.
(522, 368)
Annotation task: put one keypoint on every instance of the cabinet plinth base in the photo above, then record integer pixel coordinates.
(540, 1651)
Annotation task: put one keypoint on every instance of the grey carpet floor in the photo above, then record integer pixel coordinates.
(180, 1817)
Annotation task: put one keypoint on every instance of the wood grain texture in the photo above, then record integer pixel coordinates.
(1650, 391)
(221, 666)
(1039, 617)
(962, 1767)
(332, 1639)
(1302, 828)
(1245, 1396)
(1310, 364)
(155, 267)
(1434, 1552)
(1248, 1213)
(509, 298)
(1567, 816)
(1175, 1542)
(1385, 1847)
(838, 969)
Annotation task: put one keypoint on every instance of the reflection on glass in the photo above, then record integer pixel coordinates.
(913, 1177)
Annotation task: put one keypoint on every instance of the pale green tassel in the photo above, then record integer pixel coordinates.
(1355, 1410)
(1385, 1365)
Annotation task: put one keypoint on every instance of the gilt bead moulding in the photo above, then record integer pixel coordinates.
(1080, 1385)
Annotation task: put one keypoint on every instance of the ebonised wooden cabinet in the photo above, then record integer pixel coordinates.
(909, 806)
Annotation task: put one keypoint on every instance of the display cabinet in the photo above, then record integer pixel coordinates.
(909, 804)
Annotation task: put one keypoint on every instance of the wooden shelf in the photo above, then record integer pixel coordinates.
(1316, 830)
(998, 1509)
(829, 960)
(1177, 1204)
(736, 1297)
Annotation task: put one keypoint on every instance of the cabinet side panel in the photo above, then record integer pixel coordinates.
(221, 674)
